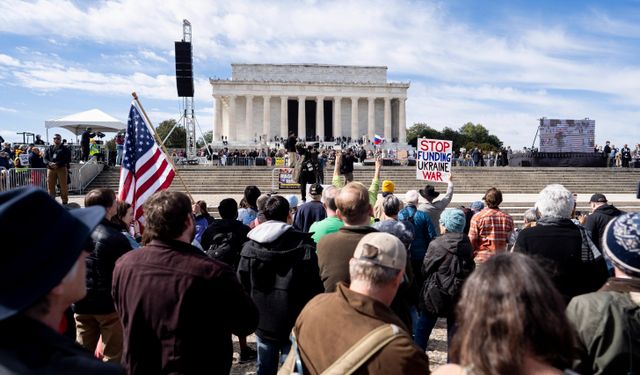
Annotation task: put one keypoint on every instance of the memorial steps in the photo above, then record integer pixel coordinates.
(214, 183)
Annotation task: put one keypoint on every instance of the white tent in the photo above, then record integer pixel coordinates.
(94, 119)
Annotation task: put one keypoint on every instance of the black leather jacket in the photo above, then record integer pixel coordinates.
(109, 245)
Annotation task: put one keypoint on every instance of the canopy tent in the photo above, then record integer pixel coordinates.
(94, 119)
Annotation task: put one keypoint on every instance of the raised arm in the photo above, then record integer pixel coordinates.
(375, 183)
(337, 180)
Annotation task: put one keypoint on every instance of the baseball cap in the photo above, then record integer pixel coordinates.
(598, 198)
(315, 189)
(382, 249)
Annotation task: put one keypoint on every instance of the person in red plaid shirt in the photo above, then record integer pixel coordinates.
(490, 228)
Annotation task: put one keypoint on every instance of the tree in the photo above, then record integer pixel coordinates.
(208, 138)
(469, 135)
(177, 139)
(420, 130)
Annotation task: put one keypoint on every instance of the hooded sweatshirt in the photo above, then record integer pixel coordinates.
(279, 269)
(598, 220)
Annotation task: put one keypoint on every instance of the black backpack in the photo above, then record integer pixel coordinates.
(225, 248)
(440, 292)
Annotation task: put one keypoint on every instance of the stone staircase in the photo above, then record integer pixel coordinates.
(231, 181)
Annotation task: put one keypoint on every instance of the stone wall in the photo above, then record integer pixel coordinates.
(309, 73)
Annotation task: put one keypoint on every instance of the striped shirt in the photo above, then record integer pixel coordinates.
(489, 233)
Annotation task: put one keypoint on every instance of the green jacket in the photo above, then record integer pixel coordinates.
(608, 327)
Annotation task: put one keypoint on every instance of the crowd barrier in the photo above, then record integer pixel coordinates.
(19, 177)
(79, 179)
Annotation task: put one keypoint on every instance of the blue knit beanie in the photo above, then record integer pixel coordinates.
(453, 219)
(477, 206)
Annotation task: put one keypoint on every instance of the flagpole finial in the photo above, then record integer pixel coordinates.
(135, 96)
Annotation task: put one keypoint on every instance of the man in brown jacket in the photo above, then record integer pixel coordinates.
(335, 249)
(376, 270)
(178, 306)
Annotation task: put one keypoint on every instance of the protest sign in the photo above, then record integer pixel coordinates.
(433, 159)
(285, 179)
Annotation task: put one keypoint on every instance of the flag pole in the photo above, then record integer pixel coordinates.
(162, 147)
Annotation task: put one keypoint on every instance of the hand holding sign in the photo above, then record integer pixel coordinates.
(433, 160)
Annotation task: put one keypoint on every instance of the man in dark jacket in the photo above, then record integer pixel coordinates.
(311, 211)
(58, 158)
(95, 314)
(178, 306)
(39, 279)
(602, 214)
(222, 241)
(223, 238)
(279, 268)
(346, 165)
(84, 143)
(607, 322)
(565, 250)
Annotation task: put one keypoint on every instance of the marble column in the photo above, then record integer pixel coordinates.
(387, 119)
(266, 118)
(217, 124)
(302, 133)
(248, 118)
(337, 114)
(402, 121)
(354, 118)
(284, 117)
(320, 117)
(371, 120)
(233, 127)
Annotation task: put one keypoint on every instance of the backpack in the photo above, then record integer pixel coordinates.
(440, 291)
(225, 248)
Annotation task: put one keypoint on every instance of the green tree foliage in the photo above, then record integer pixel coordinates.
(208, 137)
(177, 139)
(468, 136)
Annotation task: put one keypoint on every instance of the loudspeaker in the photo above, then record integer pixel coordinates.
(184, 69)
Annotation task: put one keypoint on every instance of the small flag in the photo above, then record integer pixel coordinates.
(145, 168)
(377, 139)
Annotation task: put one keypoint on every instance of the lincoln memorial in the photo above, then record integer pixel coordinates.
(316, 102)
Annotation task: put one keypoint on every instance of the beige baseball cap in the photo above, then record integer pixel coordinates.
(383, 249)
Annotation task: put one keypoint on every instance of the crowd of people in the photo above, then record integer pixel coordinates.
(352, 278)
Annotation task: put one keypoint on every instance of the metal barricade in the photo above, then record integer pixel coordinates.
(19, 177)
(87, 173)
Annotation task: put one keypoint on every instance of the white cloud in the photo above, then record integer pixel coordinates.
(8, 60)
(8, 110)
(505, 78)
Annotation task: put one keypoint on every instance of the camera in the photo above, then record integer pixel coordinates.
(100, 134)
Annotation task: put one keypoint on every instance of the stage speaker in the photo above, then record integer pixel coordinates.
(184, 69)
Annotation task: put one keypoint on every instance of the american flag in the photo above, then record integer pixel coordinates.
(145, 168)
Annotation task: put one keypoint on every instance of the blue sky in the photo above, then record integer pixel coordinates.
(500, 63)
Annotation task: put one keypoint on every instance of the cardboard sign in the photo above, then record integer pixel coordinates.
(433, 160)
(279, 162)
(285, 179)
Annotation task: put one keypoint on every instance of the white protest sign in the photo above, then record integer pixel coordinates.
(433, 159)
